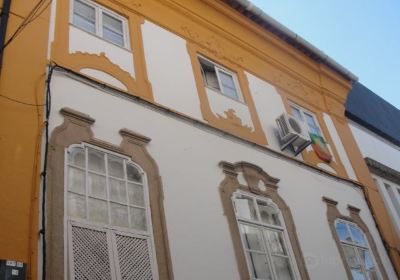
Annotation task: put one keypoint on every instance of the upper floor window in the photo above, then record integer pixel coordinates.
(308, 118)
(100, 21)
(356, 250)
(108, 216)
(220, 79)
(264, 238)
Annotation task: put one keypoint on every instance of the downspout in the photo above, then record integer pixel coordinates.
(248, 6)
(5, 12)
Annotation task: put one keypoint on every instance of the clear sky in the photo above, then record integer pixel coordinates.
(361, 35)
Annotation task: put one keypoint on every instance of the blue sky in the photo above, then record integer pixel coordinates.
(362, 35)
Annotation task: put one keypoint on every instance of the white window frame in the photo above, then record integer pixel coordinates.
(260, 225)
(69, 221)
(99, 11)
(304, 111)
(218, 68)
(357, 246)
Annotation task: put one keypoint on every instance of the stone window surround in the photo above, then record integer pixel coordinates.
(76, 129)
(260, 183)
(333, 214)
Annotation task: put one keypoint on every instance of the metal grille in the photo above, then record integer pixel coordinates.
(90, 254)
(134, 258)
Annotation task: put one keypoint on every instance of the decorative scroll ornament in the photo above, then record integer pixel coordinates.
(233, 119)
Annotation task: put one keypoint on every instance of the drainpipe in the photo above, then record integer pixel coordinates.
(5, 12)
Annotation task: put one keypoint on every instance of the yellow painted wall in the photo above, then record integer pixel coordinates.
(22, 79)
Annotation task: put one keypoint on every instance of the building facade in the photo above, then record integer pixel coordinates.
(143, 143)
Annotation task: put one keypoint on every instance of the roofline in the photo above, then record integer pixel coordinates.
(257, 15)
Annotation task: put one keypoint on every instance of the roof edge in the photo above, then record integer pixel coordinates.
(292, 38)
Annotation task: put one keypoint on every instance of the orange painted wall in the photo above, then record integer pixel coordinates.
(22, 79)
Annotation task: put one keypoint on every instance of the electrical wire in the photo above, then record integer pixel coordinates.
(44, 172)
(21, 102)
(33, 14)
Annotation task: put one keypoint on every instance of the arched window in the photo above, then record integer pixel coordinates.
(108, 216)
(264, 237)
(356, 251)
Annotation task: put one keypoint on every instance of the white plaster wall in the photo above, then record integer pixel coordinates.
(219, 104)
(373, 146)
(188, 157)
(170, 70)
(102, 76)
(339, 147)
(82, 41)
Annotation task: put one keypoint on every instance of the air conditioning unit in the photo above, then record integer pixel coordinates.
(292, 132)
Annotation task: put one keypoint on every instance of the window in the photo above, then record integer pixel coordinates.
(356, 250)
(308, 118)
(101, 22)
(264, 237)
(220, 79)
(394, 194)
(108, 216)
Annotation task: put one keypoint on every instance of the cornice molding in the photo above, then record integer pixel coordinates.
(383, 171)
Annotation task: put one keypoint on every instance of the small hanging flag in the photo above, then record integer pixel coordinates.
(320, 147)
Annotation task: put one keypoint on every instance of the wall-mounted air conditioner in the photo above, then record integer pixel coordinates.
(292, 133)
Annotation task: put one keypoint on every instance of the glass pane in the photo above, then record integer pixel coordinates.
(98, 211)
(138, 218)
(260, 266)
(358, 236)
(275, 239)
(133, 173)
(97, 185)
(84, 16)
(351, 256)
(119, 215)
(136, 194)
(312, 124)
(115, 167)
(268, 214)
(112, 30)
(282, 268)
(245, 207)
(96, 161)
(76, 206)
(366, 259)
(357, 274)
(76, 180)
(343, 232)
(117, 190)
(296, 113)
(252, 237)
(228, 85)
(112, 23)
(77, 157)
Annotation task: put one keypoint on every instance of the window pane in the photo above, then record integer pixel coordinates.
(357, 274)
(268, 214)
(275, 240)
(77, 157)
(351, 256)
(296, 113)
(252, 237)
(84, 16)
(228, 85)
(117, 190)
(343, 232)
(357, 236)
(76, 206)
(282, 268)
(138, 218)
(97, 185)
(133, 173)
(366, 259)
(260, 266)
(135, 194)
(115, 167)
(112, 36)
(245, 207)
(119, 215)
(208, 72)
(98, 211)
(312, 124)
(113, 30)
(96, 161)
(76, 180)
